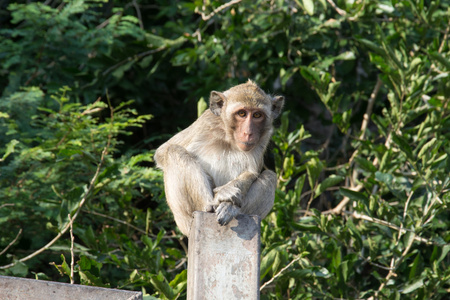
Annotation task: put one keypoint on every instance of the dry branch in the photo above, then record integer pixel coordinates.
(220, 8)
(12, 243)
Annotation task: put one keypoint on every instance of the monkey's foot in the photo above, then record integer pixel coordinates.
(226, 211)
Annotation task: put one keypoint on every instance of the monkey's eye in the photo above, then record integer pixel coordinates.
(242, 113)
(257, 115)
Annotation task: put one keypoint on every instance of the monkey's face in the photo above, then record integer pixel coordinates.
(248, 124)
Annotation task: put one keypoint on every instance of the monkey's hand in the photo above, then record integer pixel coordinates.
(228, 193)
(226, 211)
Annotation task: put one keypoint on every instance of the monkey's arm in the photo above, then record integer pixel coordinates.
(183, 138)
(199, 130)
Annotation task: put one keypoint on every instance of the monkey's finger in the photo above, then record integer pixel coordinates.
(210, 208)
(224, 206)
(224, 219)
(226, 212)
(222, 213)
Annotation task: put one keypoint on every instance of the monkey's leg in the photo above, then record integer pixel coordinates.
(260, 197)
(187, 186)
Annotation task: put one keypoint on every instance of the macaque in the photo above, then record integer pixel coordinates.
(215, 165)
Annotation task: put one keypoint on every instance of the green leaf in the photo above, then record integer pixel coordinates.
(65, 267)
(305, 227)
(386, 178)
(414, 267)
(372, 46)
(353, 194)
(179, 283)
(309, 6)
(441, 59)
(118, 73)
(412, 286)
(311, 76)
(403, 144)
(87, 278)
(84, 263)
(20, 269)
(365, 164)
(313, 167)
(201, 106)
(443, 253)
(344, 270)
(161, 284)
(269, 261)
(425, 149)
(328, 182)
(9, 149)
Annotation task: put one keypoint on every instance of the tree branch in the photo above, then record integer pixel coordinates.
(12, 243)
(369, 108)
(338, 10)
(338, 209)
(278, 274)
(220, 8)
(390, 225)
(139, 15)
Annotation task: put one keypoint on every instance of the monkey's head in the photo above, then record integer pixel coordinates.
(247, 113)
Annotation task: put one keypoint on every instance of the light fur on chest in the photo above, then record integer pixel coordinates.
(224, 166)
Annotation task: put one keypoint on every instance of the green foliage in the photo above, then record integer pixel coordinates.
(69, 164)
(361, 152)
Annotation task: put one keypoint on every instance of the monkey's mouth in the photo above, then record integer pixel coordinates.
(246, 146)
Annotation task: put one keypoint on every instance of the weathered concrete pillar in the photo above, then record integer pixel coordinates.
(223, 261)
(21, 288)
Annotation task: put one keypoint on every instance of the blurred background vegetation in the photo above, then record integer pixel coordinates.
(90, 88)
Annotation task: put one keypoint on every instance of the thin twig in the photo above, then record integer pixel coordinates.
(405, 210)
(368, 260)
(139, 15)
(114, 219)
(357, 215)
(338, 209)
(278, 274)
(395, 265)
(178, 266)
(444, 40)
(126, 224)
(106, 22)
(369, 108)
(72, 239)
(311, 198)
(6, 204)
(12, 243)
(388, 224)
(220, 8)
(135, 57)
(338, 10)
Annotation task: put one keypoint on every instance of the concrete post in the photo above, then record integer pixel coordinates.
(12, 288)
(223, 261)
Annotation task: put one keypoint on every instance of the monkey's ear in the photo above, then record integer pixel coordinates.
(277, 105)
(216, 101)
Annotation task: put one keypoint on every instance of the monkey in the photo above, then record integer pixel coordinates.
(215, 164)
